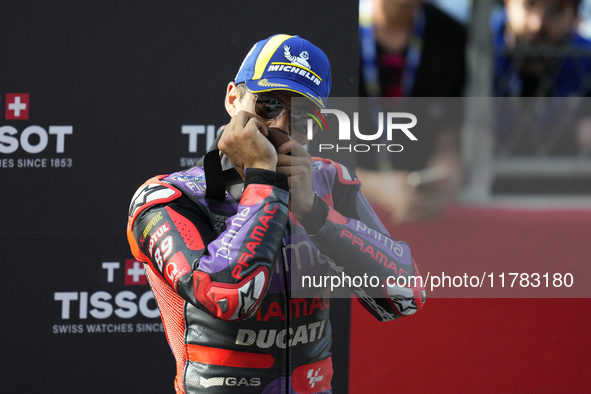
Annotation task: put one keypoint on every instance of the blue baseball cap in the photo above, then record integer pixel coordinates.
(284, 62)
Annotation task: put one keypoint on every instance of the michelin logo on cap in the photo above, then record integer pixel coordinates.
(302, 66)
(285, 62)
(302, 59)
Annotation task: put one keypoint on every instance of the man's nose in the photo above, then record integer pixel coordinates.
(283, 122)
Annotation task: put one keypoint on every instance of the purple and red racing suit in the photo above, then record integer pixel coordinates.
(225, 275)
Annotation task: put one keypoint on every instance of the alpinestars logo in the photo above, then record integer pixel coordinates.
(313, 376)
(148, 193)
(250, 293)
(405, 306)
(403, 298)
(247, 298)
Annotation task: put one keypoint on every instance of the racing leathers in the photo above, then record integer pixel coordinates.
(243, 286)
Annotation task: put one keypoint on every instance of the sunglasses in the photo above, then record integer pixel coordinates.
(270, 108)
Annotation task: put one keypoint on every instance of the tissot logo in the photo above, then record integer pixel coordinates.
(193, 131)
(114, 309)
(200, 138)
(27, 143)
(17, 106)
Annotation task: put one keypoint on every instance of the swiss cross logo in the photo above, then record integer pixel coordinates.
(134, 273)
(17, 106)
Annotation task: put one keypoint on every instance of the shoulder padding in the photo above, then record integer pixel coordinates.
(151, 193)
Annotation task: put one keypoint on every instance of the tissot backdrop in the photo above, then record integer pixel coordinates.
(126, 78)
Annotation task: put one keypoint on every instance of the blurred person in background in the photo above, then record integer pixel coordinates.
(413, 49)
(536, 42)
(539, 53)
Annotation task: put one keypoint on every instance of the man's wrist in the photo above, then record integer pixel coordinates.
(263, 166)
(315, 219)
(265, 177)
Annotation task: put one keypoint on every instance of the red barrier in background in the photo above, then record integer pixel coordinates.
(481, 345)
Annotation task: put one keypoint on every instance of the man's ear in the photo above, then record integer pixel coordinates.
(232, 98)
